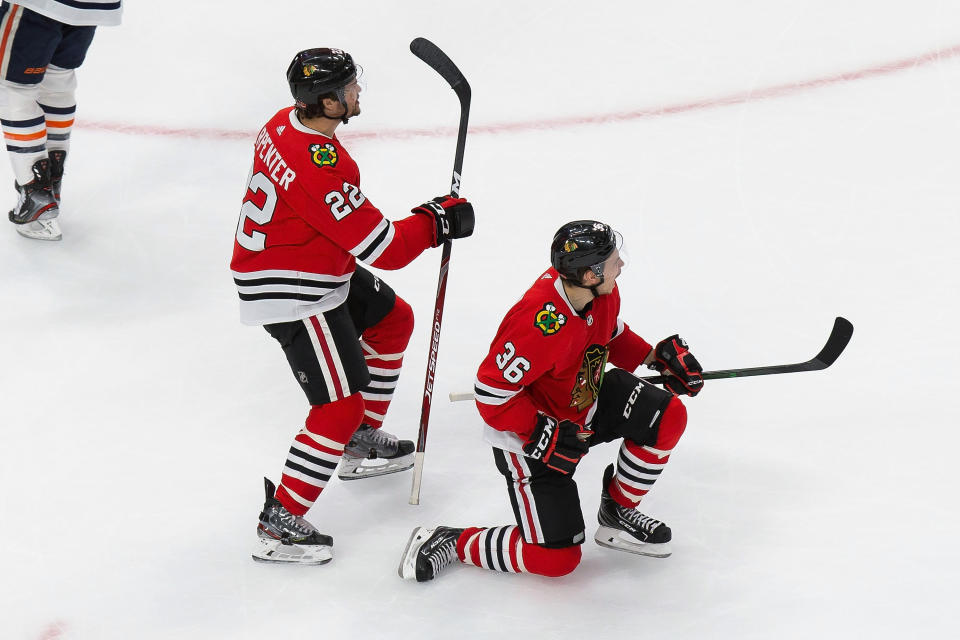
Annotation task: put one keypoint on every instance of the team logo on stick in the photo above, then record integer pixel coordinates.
(323, 155)
(548, 320)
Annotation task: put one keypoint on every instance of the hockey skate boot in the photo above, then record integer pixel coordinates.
(58, 158)
(374, 452)
(36, 201)
(428, 552)
(627, 529)
(285, 538)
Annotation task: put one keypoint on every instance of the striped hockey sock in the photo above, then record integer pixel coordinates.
(59, 121)
(638, 467)
(504, 549)
(25, 135)
(384, 373)
(495, 548)
(315, 452)
(383, 346)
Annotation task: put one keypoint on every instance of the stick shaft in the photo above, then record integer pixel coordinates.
(441, 63)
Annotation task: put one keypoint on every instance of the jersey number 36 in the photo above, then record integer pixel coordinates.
(512, 367)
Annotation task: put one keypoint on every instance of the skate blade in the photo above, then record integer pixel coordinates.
(357, 468)
(275, 552)
(40, 230)
(408, 562)
(623, 541)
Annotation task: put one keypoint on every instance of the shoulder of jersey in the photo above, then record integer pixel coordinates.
(542, 308)
(305, 148)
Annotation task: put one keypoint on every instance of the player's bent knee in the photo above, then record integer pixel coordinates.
(336, 420)
(672, 425)
(401, 319)
(551, 563)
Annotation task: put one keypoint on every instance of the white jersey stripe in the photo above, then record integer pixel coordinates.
(533, 532)
(295, 275)
(335, 356)
(381, 246)
(315, 339)
(502, 393)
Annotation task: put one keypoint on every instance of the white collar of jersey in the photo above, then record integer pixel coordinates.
(558, 285)
(299, 126)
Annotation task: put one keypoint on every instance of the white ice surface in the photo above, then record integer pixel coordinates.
(138, 416)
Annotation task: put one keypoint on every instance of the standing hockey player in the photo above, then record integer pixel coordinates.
(303, 225)
(545, 398)
(43, 43)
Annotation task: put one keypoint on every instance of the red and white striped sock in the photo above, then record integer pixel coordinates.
(638, 467)
(495, 548)
(504, 549)
(315, 452)
(383, 346)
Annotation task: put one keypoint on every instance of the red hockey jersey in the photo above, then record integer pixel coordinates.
(547, 357)
(304, 222)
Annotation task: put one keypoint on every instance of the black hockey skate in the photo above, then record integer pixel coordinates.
(36, 200)
(58, 158)
(374, 452)
(428, 552)
(36, 209)
(628, 529)
(286, 538)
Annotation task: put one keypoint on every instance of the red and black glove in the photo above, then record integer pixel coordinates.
(452, 217)
(671, 354)
(556, 444)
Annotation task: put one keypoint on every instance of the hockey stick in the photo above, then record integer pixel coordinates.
(836, 343)
(439, 62)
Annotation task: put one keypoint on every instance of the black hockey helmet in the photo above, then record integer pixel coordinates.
(582, 244)
(315, 73)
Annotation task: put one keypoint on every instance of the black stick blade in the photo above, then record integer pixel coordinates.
(836, 343)
(442, 64)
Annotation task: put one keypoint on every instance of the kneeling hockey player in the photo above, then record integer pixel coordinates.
(545, 398)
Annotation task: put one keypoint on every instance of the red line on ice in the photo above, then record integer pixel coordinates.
(740, 97)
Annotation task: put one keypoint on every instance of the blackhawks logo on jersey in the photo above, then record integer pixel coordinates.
(587, 387)
(323, 155)
(548, 320)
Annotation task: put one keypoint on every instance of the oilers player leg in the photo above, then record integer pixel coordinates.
(39, 83)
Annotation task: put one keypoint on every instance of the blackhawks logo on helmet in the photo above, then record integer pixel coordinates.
(323, 155)
(548, 320)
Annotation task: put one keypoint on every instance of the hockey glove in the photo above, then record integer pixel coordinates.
(672, 355)
(556, 444)
(452, 217)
